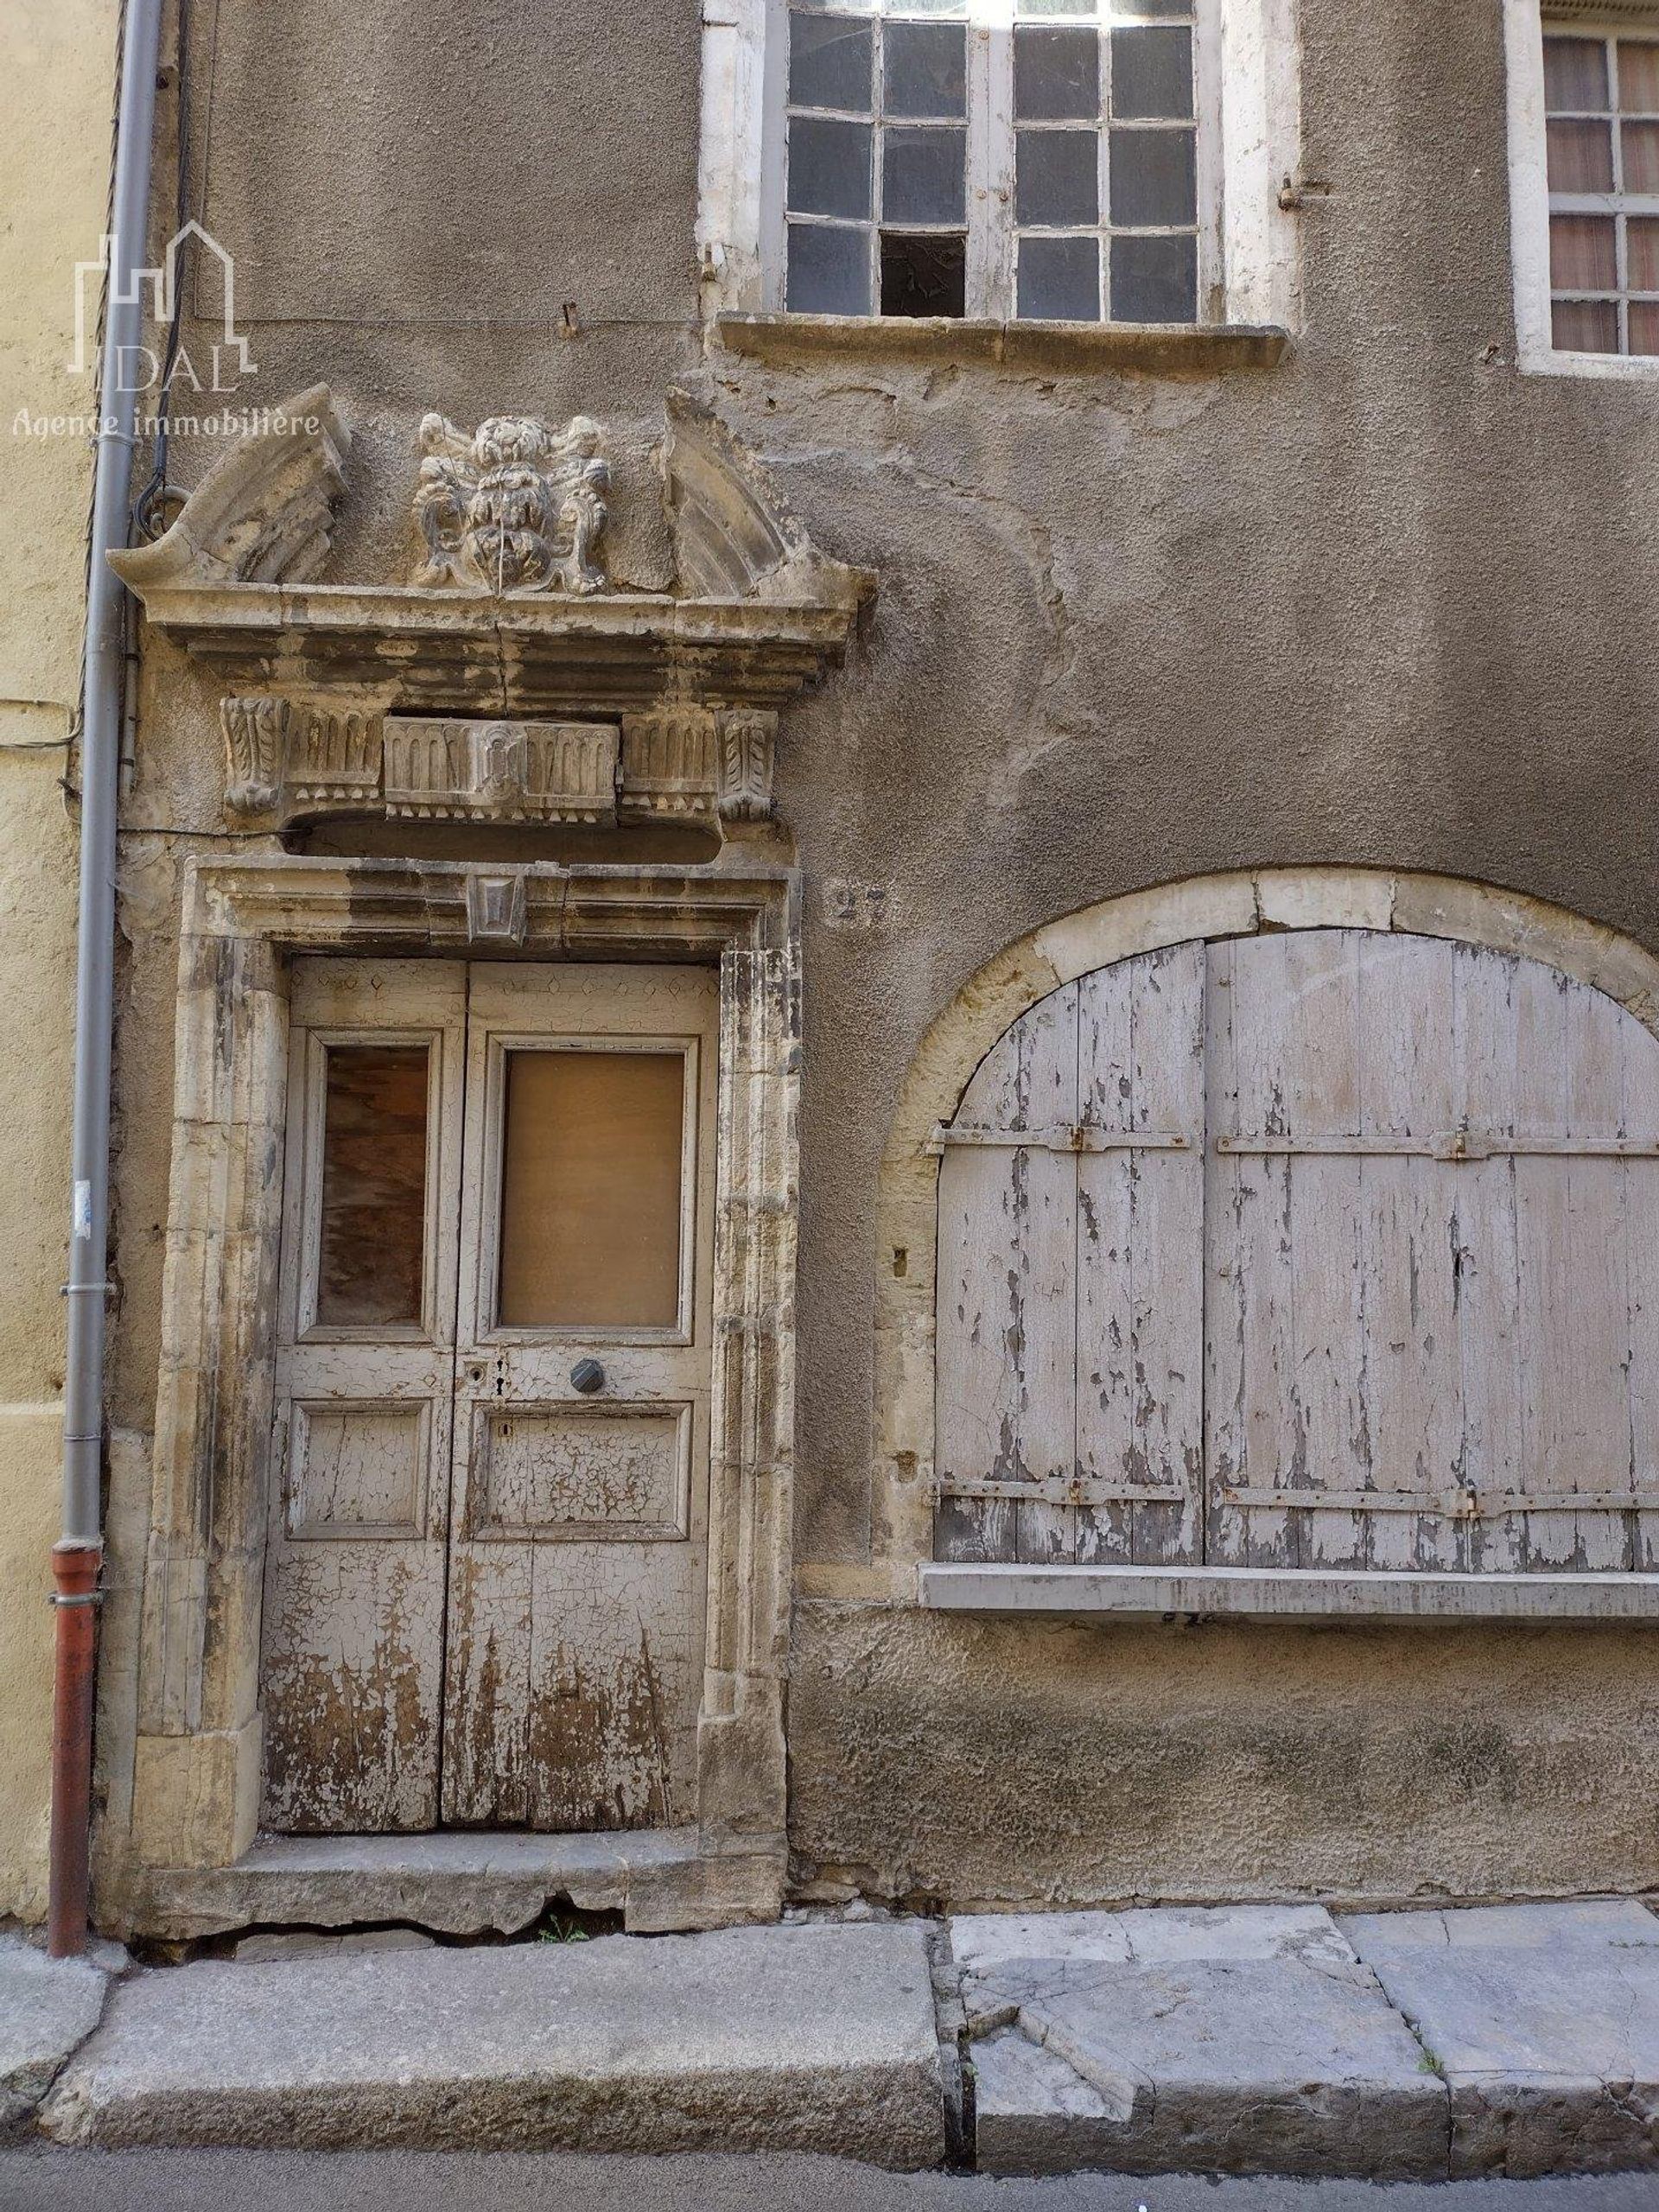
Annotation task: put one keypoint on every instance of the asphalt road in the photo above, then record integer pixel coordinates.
(391, 2181)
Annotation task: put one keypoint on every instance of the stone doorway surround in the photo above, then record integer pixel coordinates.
(196, 1755)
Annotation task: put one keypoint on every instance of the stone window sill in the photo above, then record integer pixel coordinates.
(1147, 349)
(1257, 1593)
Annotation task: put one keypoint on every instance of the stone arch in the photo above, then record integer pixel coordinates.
(1237, 903)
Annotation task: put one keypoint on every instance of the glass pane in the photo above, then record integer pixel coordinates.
(828, 167)
(1638, 76)
(1575, 73)
(1645, 326)
(1582, 156)
(1640, 145)
(1056, 75)
(828, 269)
(1055, 7)
(922, 176)
(1152, 72)
(925, 69)
(1583, 253)
(1153, 177)
(831, 58)
(590, 1190)
(372, 1243)
(925, 274)
(1155, 280)
(1060, 280)
(1642, 254)
(1584, 326)
(1057, 177)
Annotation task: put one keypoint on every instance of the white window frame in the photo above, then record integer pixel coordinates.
(1248, 97)
(1536, 353)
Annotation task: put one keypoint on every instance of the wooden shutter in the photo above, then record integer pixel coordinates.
(1432, 1309)
(1354, 1235)
(1071, 1227)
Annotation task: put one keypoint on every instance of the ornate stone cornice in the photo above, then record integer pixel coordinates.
(761, 613)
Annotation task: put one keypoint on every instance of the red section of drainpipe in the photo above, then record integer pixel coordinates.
(75, 1570)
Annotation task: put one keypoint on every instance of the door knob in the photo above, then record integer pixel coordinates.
(587, 1375)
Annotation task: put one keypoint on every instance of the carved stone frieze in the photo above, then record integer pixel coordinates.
(291, 759)
(513, 505)
(698, 764)
(500, 772)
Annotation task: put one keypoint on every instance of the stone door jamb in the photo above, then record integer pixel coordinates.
(196, 1772)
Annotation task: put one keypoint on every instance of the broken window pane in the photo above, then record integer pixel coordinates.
(1060, 280)
(1057, 177)
(831, 60)
(1154, 279)
(924, 274)
(372, 1235)
(1152, 72)
(1153, 177)
(828, 167)
(923, 176)
(925, 69)
(828, 269)
(591, 1150)
(1056, 75)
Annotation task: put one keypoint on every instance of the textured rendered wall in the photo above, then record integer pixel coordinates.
(54, 108)
(1390, 604)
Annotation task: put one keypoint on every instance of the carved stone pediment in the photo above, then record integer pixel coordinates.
(509, 681)
(293, 761)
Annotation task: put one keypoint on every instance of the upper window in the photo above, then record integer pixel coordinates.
(1584, 163)
(1070, 161)
(1601, 96)
(1049, 167)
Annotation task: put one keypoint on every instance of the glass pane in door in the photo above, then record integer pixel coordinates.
(372, 1242)
(590, 1190)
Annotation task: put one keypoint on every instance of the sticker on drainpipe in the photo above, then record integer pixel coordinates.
(83, 1209)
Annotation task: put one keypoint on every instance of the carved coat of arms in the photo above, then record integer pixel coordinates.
(514, 507)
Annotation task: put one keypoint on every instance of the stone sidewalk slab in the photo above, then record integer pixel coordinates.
(809, 2038)
(1544, 2020)
(48, 2006)
(1241, 2040)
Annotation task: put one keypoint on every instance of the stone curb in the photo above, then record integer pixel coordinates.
(811, 2038)
(1512, 2041)
(47, 2009)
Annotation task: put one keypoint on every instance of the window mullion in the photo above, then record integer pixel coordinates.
(990, 171)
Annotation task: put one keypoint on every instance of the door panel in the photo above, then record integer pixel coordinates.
(355, 1562)
(579, 1556)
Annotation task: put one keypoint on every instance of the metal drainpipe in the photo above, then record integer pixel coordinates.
(78, 1555)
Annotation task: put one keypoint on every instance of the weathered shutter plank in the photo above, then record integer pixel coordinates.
(1008, 1237)
(1140, 1273)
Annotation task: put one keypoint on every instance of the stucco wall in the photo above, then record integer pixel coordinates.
(1390, 603)
(54, 104)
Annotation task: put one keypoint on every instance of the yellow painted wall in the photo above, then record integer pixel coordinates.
(56, 76)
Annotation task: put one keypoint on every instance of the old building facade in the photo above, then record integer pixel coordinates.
(889, 975)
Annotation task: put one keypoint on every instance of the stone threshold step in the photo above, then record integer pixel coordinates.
(457, 1883)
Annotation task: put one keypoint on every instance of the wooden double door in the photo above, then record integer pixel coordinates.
(486, 1566)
